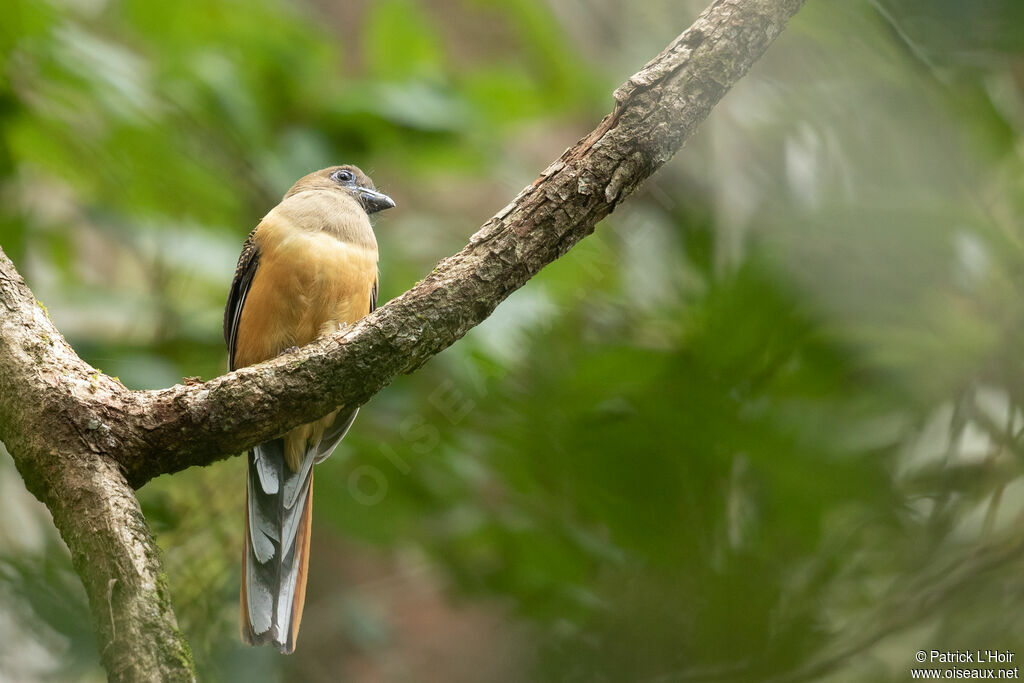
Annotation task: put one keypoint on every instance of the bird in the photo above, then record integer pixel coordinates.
(308, 268)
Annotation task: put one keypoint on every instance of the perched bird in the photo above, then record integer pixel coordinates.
(309, 267)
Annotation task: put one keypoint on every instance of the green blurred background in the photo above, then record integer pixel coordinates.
(764, 424)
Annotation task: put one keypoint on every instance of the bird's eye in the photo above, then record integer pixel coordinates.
(343, 176)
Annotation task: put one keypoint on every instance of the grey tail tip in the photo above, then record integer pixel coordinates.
(267, 638)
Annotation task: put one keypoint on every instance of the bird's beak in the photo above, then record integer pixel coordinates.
(374, 201)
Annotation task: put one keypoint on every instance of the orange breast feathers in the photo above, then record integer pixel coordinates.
(310, 279)
(317, 269)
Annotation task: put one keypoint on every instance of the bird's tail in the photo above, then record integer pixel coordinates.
(279, 506)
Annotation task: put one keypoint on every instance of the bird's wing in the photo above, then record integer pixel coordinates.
(245, 271)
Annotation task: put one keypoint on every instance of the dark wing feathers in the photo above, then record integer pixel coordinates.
(245, 271)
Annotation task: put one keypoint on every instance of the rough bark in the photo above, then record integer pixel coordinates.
(45, 424)
(82, 441)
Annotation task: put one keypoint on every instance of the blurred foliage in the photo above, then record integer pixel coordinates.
(764, 424)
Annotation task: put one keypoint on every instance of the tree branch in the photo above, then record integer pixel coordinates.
(52, 440)
(656, 110)
(81, 439)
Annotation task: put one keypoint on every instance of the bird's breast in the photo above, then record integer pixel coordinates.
(307, 284)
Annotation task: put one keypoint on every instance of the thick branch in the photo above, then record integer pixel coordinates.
(81, 439)
(94, 508)
(655, 111)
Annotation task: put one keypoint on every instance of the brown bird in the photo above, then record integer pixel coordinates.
(309, 267)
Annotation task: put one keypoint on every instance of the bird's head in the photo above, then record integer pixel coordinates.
(348, 179)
